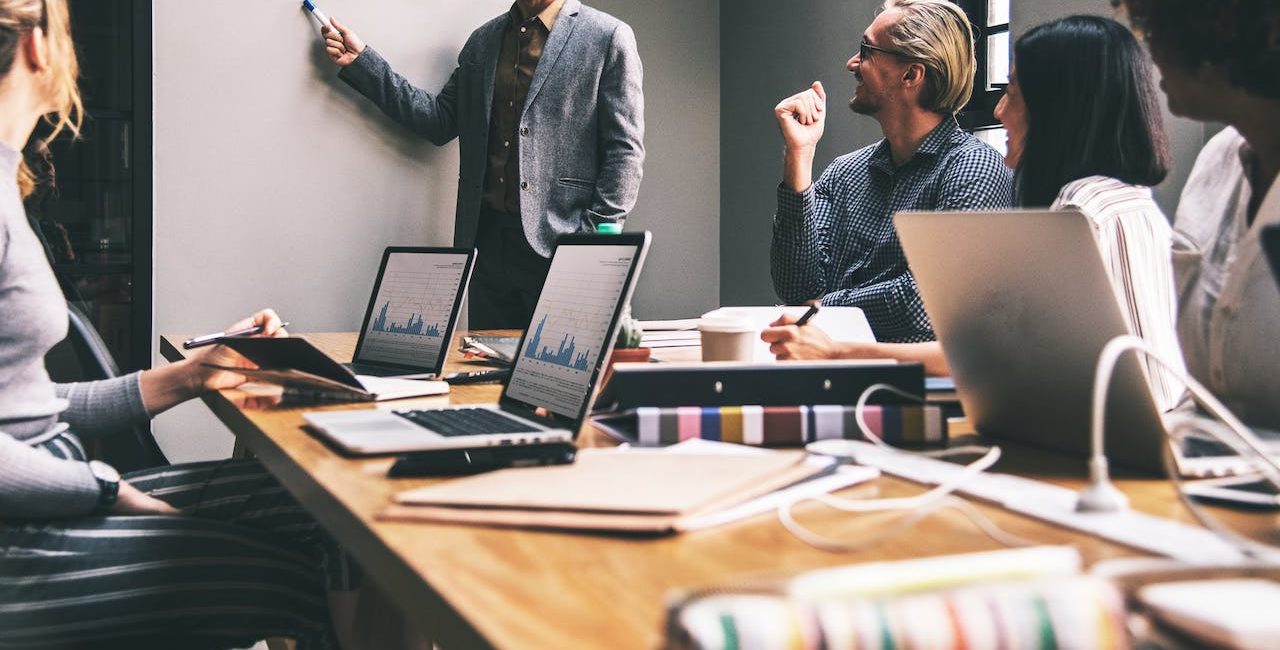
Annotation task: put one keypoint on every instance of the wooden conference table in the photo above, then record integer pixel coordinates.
(477, 587)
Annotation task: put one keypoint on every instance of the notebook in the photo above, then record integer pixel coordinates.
(306, 372)
(555, 374)
(412, 312)
(616, 490)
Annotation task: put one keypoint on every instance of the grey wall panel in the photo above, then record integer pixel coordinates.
(679, 42)
(771, 50)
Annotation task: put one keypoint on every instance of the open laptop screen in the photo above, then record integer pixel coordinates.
(413, 308)
(569, 337)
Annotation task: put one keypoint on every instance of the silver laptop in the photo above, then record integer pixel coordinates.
(556, 370)
(415, 304)
(1023, 306)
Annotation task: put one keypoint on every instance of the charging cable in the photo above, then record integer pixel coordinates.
(918, 507)
(1099, 496)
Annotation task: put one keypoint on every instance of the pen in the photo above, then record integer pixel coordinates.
(813, 310)
(479, 376)
(217, 337)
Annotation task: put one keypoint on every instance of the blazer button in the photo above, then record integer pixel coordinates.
(524, 130)
(524, 185)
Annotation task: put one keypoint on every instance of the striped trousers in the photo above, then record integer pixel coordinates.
(244, 563)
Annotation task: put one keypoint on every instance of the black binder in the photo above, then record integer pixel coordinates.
(787, 383)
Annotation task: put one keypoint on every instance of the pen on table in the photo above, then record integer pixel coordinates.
(217, 337)
(813, 311)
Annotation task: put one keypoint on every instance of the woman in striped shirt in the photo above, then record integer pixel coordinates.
(203, 555)
(1085, 133)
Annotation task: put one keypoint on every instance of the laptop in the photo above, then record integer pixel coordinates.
(556, 371)
(1023, 306)
(414, 307)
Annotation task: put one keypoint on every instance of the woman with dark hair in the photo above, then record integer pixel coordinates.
(201, 555)
(1084, 133)
(1220, 62)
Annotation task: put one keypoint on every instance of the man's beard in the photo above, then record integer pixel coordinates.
(863, 103)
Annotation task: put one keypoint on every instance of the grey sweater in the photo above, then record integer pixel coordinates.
(33, 318)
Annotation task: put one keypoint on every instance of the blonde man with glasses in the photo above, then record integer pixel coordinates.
(833, 239)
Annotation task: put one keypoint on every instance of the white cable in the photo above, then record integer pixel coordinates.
(1230, 431)
(904, 523)
(918, 507)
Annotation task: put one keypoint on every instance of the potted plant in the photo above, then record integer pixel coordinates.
(627, 348)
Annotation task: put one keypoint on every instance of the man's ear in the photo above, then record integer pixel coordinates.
(913, 75)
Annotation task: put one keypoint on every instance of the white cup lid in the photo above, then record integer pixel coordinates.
(725, 325)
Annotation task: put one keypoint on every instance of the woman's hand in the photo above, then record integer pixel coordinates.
(167, 386)
(132, 501)
(204, 378)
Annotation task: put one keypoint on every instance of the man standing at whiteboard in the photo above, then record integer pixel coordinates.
(547, 106)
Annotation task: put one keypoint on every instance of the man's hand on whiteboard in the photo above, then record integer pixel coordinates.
(341, 44)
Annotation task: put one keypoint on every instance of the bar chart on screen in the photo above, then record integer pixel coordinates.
(569, 326)
(412, 308)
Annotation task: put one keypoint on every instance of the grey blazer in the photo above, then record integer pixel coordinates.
(582, 128)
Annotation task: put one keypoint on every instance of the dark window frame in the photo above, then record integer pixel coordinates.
(979, 112)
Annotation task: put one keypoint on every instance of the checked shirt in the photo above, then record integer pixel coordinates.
(836, 241)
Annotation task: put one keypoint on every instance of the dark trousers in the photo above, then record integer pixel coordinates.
(508, 276)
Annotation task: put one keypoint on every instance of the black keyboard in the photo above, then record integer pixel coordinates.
(376, 371)
(465, 422)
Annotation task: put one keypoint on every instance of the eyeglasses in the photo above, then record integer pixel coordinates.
(865, 48)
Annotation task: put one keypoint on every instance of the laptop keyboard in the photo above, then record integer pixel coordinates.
(374, 371)
(465, 422)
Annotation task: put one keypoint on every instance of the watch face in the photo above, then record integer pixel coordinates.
(104, 472)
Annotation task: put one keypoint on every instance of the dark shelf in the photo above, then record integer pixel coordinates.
(94, 268)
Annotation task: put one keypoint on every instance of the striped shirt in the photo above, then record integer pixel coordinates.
(1135, 239)
(836, 240)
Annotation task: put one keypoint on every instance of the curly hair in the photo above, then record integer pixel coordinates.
(1243, 36)
(19, 17)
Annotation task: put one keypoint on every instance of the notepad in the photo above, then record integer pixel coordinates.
(621, 490)
(307, 372)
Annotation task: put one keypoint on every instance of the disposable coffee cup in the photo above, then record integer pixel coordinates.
(727, 339)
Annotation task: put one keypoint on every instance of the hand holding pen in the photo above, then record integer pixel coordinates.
(810, 313)
(218, 337)
(790, 338)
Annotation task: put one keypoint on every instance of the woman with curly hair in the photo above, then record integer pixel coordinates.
(1220, 62)
(200, 555)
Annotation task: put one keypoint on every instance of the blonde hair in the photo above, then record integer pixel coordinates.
(20, 17)
(937, 33)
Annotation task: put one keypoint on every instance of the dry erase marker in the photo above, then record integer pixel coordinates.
(315, 11)
(217, 337)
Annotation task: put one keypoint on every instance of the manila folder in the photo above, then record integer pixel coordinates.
(623, 490)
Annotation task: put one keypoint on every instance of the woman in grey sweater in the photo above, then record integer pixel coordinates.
(199, 555)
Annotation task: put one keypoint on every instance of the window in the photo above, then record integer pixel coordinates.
(990, 20)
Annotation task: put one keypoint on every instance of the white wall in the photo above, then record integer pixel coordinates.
(277, 185)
